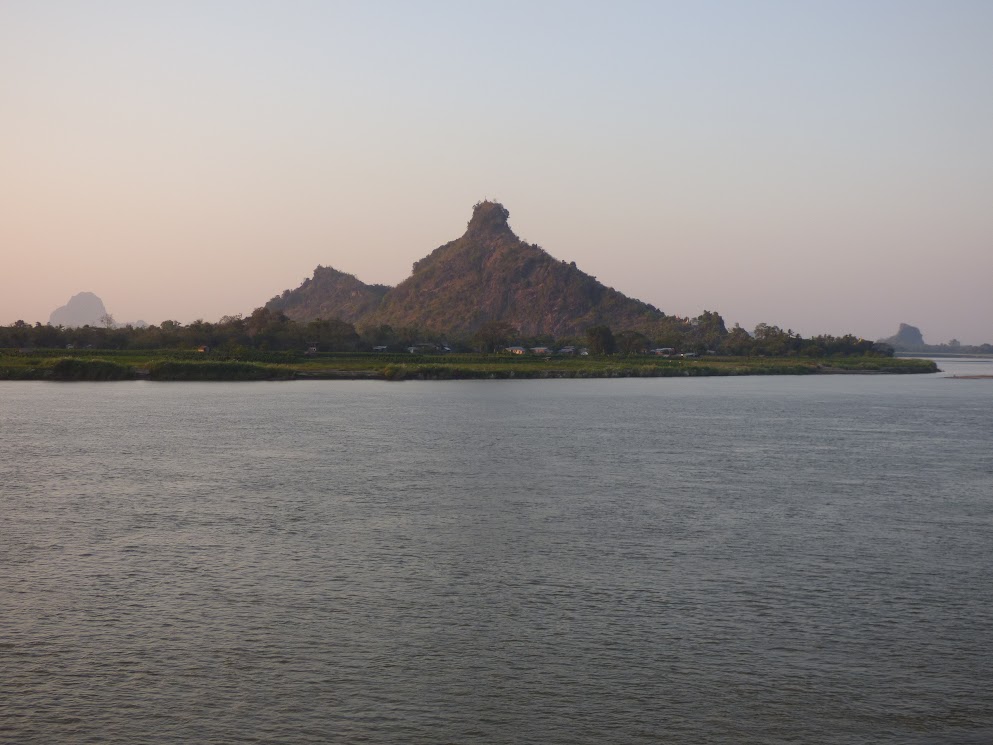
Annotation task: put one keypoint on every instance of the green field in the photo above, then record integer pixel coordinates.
(91, 364)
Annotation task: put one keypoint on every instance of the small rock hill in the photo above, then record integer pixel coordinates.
(330, 294)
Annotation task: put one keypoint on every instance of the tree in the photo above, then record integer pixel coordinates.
(774, 341)
(600, 340)
(738, 342)
(272, 330)
(381, 335)
(332, 335)
(494, 335)
(257, 322)
(47, 336)
(631, 342)
(708, 330)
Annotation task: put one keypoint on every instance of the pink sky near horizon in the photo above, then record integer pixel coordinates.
(824, 168)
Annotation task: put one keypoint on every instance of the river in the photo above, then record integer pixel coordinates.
(700, 560)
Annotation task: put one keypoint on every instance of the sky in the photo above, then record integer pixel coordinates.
(822, 166)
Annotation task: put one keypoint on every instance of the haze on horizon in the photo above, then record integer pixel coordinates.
(824, 167)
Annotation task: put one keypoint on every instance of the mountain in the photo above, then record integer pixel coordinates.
(907, 338)
(83, 309)
(329, 294)
(488, 274)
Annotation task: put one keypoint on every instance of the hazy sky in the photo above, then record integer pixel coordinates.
(825, 166)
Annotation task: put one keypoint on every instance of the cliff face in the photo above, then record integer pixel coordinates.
(488, 274)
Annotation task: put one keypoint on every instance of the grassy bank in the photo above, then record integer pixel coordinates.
(643, 367)
(215, 370)
(165, 365)
(62, 368)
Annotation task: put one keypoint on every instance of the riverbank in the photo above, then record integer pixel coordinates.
(166, 365)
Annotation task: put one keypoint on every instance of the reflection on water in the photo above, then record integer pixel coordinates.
(704, 560)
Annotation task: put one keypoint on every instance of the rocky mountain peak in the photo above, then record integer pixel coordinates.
(488, 217)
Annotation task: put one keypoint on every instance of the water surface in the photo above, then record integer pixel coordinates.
(722, 560)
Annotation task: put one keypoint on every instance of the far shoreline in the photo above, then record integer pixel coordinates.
(160, 365)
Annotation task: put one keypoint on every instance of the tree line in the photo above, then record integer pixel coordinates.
(268, 330)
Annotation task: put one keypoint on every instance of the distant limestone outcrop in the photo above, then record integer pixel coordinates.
(83, 309)
(488, 274)
(906, 338)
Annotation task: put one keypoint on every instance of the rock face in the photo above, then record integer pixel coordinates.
(488, 274)
(83, 309)
(907, 337)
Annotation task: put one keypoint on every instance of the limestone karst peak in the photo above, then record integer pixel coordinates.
(488, 216)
